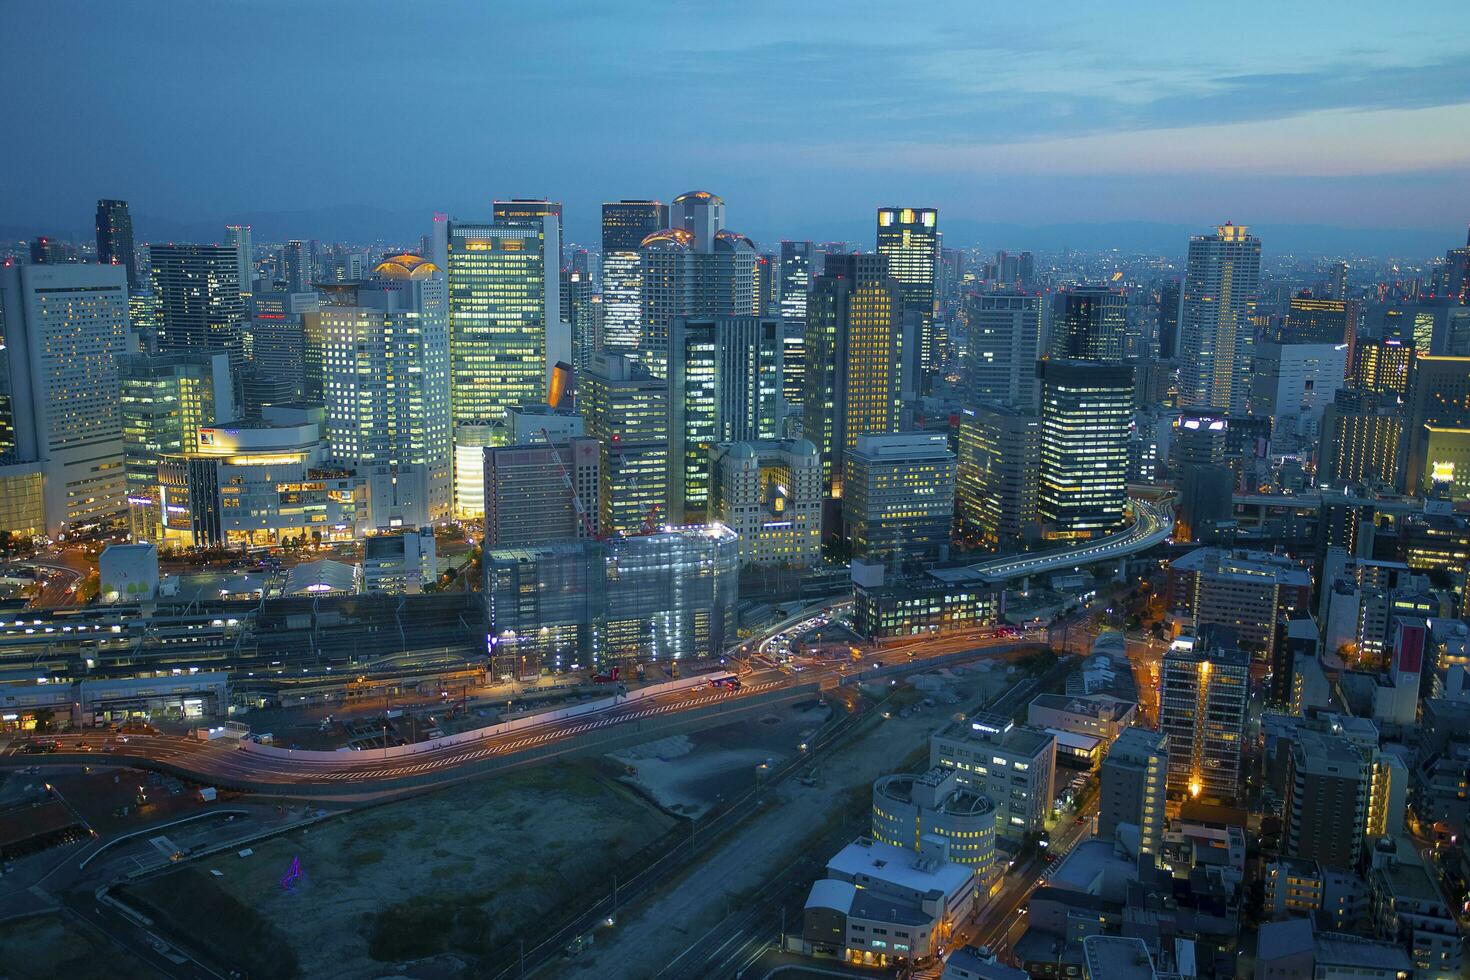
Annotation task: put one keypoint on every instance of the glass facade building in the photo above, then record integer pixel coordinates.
(1086, 414)
(625, 224)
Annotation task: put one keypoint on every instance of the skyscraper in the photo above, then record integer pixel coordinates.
(898, 496)
(300, 268)
(1361, 434)
(1090, 325)
(1132, 785)
(853, 347)
(1310, 320)
(1169, 319)
(1221, 287)
(724, 386)
(909, 237)
(64, 328)
(625, 224)
(1202, 708)
(1328, 790)
(1003, 334)
(385, 388)
(626, 409)
(1086, 412)
(198, 290)
(115, 239)
(795, 280)
(682, 277)
(531, 211)
(999, 456)
(1438, 438)
(700, 213)
(238, 237)
(504, 292)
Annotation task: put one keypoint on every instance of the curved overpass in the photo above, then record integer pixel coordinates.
(1152, 525)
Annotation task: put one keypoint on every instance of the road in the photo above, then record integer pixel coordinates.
(1152, 525)
(346, 773)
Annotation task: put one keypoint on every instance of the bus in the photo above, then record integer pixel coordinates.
(727, 681)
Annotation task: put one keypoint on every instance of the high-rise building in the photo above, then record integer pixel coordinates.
(1294, 383)
(1169, 320)
(198, 290)
(795, 280)
(1438, 437)
(909, 237)
(238, 237)
(583, 313)
(724, 386)
(1328, 790)
(1310, 320)
(385, 388)
(1248, 592)
(1004, 342)
(853, 349)
(1216, 319)
(684, 277)
(1202, 708)
(793, 366)
(627, 410)
(283, 367)
(1362, 432)
(504, 296)
(299, 266)
(625, 224)
(898, 496)
(1086, 412)
(998, 473)
(700, 213)
(115, 239)
(64, 328)
(1090, 324)
(541, 491)
(164, 400)
(533, 211)
(1132, 786)
(770, 494)
(1012, 764)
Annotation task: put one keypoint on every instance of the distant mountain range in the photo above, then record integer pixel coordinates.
(365, 224)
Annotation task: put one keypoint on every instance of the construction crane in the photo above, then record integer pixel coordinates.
(566, 479)
(649, 526)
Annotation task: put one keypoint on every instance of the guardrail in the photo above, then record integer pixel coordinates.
(909, 667)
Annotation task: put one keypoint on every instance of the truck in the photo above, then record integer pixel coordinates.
(207, 794)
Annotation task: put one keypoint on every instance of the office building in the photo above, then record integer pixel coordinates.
(770, 495)
(115, 239)
(853, 349)
(262, 484)
(384, 351)
(1090, 324)
(725, 386)
(533, 211)
(909, 239)
(1246, 591)
(64, 327)
(1216, 319)
(239, 238)
(401, 563)
(1003, 332)
(898, 496)
(164, 400)
(582, 307)
(626, 409)
(684, 276)
(504, 297)
(298, 268)
(200, 306)
(625, 224)
(285, 352)
(1310, 320)
(1294, 383)
(1438, 421)
(1086, 413)
(1012, 764)
(1168, 327)
(1362, 432)
(1132, 784)
(659, 597)
(1328, 789)
(526, 424)
(1202, 708)
(998, 471)
(794, 280)
(908, 807)
(793, 367)
(538, 491)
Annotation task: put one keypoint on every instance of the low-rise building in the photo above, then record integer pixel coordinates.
(400, 564)
(1410, 910)
(908, 807)
(1012, 764)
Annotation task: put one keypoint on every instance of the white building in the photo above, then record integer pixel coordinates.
(1294, 384)
(770, 495)
(65, 326)
(1012, 765)
(400, 563)
(1221, 287)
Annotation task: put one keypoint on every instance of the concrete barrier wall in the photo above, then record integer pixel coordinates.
(490, 731)
(919, 666)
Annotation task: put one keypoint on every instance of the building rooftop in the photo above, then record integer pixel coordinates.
(1289, 937)
(899, 867)
(1336, 949)
(1116, 958)
(970, 963)
(1103, 709)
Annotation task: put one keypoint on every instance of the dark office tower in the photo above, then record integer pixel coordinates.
(47, 251)
(624, 226)
(1321, 321)
(1090, 324)
(795, 279)
(1168, 320)
(200, 306)
(952, 270)
(532, 211)
(1026, 269)
(699, 212)
(1361, 434)
(1457, 273)
(767, 285)
(680, 279)
(1003, 331)
(909, 238)
(1383, 366)
(1216, 319)
(583, 307)
(793, 364)
(300, 267)
(115, 239)
(1337, 281)
(1086, 412)
(853, 348)
(1439, 427)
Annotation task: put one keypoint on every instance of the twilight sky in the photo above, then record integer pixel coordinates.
(803, 116)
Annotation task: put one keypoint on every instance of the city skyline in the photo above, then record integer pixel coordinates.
(1071, 122)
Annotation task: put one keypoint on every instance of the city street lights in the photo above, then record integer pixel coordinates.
(763, 765)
